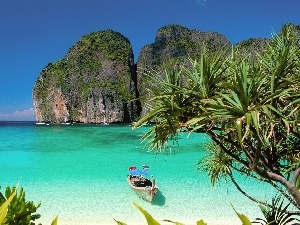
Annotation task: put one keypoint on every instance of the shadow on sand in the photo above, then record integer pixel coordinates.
(159, 199)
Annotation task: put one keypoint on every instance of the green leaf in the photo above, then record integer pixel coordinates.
(149, 218)
(239, 130)
(201, 222)
(4, 206)
(120, 223)
(231, 101)
(255, 120)
(54, 222)
(177, 223)
(242, 217)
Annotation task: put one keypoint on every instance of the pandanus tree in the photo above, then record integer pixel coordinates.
(249, 108)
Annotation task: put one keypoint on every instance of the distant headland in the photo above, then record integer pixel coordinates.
(98, 82)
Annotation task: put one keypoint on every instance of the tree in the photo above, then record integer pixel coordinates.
(250, 110)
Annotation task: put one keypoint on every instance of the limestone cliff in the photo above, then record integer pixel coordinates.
(252, 46)
(97, 81)
(179, 44)
(176, 41)
(93, 83)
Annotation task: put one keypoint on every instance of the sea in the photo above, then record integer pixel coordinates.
(78, 172)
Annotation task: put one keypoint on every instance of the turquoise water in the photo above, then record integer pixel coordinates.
(79, 173)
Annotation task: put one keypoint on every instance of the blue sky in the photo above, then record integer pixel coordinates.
(36, 32)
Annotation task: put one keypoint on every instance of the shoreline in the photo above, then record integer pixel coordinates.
(215, 221)
(130, 215)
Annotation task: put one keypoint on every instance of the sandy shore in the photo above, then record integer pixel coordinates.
(111, 222)
(212, 220)
(144, 222)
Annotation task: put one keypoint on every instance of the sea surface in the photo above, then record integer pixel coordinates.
(78, 172)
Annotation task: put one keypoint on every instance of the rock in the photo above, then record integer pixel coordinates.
(252, 46)
(93, 83)
(97, 81)
(179, 44)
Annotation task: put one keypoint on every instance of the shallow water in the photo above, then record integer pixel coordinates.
(78, 172)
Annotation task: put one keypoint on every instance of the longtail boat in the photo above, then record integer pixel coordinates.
(139, 180)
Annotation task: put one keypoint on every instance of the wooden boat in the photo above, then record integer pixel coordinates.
(141, 184)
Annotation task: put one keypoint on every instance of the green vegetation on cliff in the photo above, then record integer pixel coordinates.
(99, 62)
(102, 64)
(86, 56)
(178, 43)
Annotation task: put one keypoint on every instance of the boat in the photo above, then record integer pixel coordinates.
(104, 121)
(42, 123)
(139, 180)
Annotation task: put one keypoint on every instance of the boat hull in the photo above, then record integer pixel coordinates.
(147, 193)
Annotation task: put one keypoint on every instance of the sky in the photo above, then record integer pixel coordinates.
(34, 33)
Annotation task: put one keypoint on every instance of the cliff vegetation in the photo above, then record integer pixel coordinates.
(97, 81)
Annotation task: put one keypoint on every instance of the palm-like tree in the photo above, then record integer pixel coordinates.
(250, 110)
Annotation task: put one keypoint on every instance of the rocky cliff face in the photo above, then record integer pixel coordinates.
(179, 44)
(252, 46)
(93, 83)
(176, 41)
(97, 80)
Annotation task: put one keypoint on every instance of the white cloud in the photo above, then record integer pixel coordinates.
(24, 115)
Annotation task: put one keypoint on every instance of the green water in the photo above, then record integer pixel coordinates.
(79, 173)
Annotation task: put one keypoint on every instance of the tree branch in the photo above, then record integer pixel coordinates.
(214, 137)
(245, 194)
(288, 197)
(296, 175)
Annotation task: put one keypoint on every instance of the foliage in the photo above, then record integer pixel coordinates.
(242, 217)
(173, 41)
(151, 221)
(4, 206)
(55, 221)
(19, 211)
(277, 213)
(149, 218)
(253, 45)
(250, 110)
